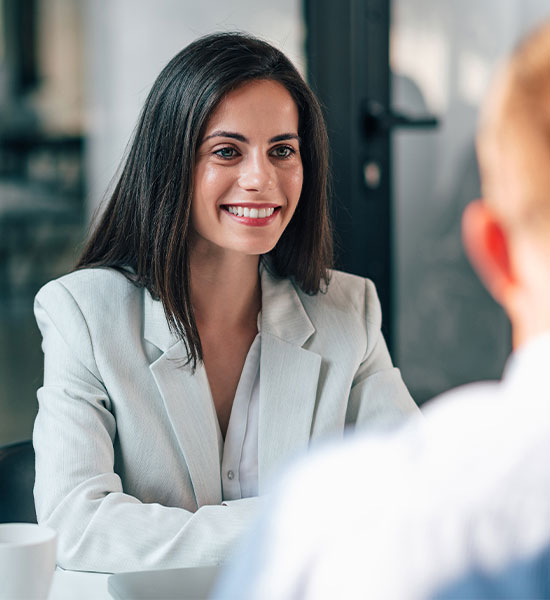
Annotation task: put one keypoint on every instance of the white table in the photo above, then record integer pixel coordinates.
(68, 585)
(78, 585)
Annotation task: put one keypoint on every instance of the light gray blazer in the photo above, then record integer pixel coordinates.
(126, 437)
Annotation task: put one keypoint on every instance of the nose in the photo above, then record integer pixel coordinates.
(257, 174)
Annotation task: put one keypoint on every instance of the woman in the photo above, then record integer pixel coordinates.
(202, 339)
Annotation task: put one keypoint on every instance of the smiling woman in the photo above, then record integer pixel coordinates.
(203, 339)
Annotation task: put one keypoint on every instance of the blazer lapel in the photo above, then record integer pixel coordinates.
(289, 376)
(189, 405)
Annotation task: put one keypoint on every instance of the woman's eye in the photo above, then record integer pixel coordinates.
(226, 153)
(283, 151)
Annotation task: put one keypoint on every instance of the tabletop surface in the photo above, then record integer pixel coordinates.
(196, 582)
(68, 585)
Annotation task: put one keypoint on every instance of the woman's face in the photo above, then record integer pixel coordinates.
(248, 175)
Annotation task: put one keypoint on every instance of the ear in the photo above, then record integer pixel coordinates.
(487, 246)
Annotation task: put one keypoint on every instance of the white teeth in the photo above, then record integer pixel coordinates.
(251, 213)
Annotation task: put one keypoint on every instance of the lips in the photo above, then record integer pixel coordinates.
(251, 214)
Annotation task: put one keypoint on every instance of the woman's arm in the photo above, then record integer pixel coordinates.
(77, 492)
(378, 395)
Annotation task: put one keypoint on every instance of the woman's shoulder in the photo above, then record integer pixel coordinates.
(97, 312)
(98, 288)
(85, 280)
(347, 291)
(348, 281)
(346, 312)
(349, 302)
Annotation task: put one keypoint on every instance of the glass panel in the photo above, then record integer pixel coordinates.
(41, 184)
(443, 52)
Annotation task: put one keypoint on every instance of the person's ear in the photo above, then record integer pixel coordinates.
(487, 246)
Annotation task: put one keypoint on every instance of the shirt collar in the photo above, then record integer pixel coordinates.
(531, 360)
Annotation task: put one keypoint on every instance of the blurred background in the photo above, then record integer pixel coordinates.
(400, 83)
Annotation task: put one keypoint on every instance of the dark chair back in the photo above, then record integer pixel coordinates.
(16, 483)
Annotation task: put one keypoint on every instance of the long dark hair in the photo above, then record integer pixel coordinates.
(143, 231)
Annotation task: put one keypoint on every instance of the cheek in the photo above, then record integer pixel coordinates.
(294, 182)
(210, 182)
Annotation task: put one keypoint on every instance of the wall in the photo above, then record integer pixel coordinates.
(59, 98)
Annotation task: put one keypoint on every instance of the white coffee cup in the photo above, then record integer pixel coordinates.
(27, 561)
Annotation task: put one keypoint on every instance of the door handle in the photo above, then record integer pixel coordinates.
(378, 118)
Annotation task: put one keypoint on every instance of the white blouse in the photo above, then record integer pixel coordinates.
(239, 453)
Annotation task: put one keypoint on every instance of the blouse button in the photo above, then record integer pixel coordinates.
(230, 474)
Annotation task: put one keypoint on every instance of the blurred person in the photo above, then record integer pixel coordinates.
(456, 505)
(203, 338)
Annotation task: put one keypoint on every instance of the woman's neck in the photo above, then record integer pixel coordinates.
(225, 289)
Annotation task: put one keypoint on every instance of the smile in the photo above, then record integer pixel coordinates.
(250, 213)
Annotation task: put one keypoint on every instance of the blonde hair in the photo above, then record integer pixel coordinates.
(516, 123)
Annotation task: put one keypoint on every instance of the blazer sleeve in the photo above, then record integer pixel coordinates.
(378, 396)
(78, 493)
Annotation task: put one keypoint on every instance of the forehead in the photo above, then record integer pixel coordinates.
(260, 104)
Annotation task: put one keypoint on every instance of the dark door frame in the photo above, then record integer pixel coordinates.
(347, 48)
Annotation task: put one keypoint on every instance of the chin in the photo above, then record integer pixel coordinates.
(256, 250)
(257, 247)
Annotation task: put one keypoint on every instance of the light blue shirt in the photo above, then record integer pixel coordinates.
(239, 453)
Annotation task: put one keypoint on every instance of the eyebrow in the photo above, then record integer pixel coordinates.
(241, 138)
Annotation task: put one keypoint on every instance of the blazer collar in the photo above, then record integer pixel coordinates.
(155, 324)
(283, 314)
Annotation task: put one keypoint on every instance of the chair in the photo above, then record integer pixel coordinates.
(16, 483)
